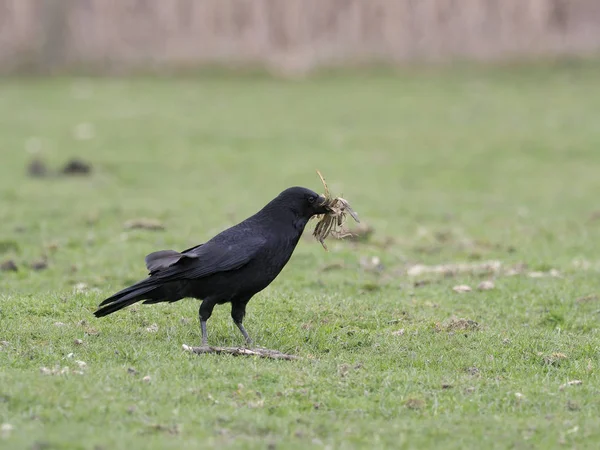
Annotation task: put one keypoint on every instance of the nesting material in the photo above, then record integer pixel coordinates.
(332, 223)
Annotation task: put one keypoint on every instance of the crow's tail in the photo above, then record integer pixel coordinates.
(140, 291)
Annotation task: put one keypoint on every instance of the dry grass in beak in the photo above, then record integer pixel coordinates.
(332, 222)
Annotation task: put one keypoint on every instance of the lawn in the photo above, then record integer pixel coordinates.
(461, 166)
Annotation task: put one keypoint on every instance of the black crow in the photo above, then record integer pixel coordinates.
(232, 266)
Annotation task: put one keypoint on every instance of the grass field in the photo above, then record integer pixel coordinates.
(461, 166)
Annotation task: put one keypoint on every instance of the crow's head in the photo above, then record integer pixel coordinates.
(304, 202)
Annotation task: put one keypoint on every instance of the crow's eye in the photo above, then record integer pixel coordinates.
(311, 199)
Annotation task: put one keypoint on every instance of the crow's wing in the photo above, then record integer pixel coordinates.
(161, 260)
(166, 258)
(203, 260)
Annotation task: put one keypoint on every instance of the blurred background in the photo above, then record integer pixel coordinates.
(291, 37)
(475, 119)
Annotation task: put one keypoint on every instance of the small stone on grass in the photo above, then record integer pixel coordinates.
(462, 288)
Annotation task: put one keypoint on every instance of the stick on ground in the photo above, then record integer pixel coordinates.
(239, 351)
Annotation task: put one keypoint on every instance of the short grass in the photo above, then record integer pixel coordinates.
(448, 167)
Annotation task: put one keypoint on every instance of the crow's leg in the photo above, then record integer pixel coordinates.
(238, 311)
(205, 311)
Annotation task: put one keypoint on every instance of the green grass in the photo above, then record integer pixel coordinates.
(457, 166)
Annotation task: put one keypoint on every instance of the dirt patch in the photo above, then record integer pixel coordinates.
(37, 168)
(144, 224)
(9, 266)
(554, 359)
(458, 324)
(76, 167)
(415, 403)
(39, 264)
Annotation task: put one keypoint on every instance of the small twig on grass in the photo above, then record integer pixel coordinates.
(238, 351)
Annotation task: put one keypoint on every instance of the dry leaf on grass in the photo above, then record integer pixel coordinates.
(486, 267)
(57, 370)
(516, 269)
(570, 383)
(551, 273)
(492, 267)
(486, 285)
(461, 288)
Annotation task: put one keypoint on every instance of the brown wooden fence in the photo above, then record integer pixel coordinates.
(288, 35)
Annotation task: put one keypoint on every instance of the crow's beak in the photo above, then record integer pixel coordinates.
(319, 207)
